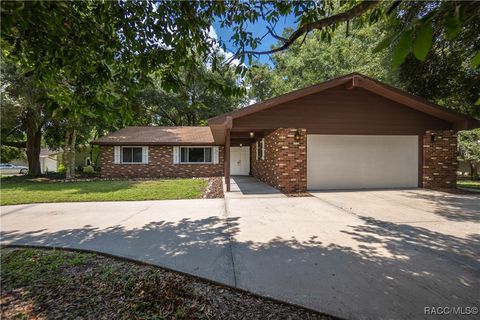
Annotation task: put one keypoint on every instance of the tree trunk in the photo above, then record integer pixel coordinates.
(473, 170)
(69, 153)
(33, 131)
(34, 138)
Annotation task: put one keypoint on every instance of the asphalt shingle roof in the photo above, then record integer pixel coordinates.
(158, 136)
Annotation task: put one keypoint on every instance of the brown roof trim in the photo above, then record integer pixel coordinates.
(143, 144)
(355, 80)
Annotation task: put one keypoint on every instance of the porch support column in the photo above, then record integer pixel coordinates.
(227, 159)
(228, 126)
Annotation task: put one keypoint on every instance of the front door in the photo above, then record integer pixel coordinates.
(239, 161)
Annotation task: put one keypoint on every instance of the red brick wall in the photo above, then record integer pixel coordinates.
(265, 170)
(160, 165)
(285, 163)
(440, 159)
(292, 160)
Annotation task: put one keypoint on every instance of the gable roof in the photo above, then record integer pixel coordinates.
(351, 81)
(135, 136)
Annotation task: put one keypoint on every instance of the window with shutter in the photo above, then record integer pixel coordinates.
(196, 155)
(215, 155)
(116, 156)
(132, 155)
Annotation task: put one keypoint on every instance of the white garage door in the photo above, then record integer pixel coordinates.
(356, 161)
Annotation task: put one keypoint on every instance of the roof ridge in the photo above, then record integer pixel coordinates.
(164, 127)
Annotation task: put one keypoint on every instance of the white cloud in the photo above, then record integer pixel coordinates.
(228, 55)
(212, 33)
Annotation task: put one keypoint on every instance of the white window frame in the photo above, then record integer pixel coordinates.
(144, 155)
(212, 154)
(261, 156)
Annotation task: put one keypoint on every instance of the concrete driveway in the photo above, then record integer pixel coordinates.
(356, 255)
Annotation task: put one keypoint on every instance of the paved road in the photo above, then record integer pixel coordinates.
(357, 255)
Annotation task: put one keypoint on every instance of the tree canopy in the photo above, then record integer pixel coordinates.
(195, 98)
(96, 64)
(469, 149)
(314, 61)
(446, 74)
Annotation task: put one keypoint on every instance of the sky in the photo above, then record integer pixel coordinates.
(258, 29)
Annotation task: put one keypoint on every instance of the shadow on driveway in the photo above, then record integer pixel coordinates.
(420, 268)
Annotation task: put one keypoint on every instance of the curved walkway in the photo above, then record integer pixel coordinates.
(356, 255)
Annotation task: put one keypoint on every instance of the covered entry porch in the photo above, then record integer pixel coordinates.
(240, 153)
(274, 156)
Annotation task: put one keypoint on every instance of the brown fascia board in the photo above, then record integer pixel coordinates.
(124, 143)
(354, 80)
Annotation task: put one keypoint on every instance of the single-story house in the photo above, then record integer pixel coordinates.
(49, 160)
(347, 133)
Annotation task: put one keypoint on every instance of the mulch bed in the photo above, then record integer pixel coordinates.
(300, 194)
(57, 284)
(214, 189)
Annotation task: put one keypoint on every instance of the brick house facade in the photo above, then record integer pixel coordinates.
(285, 163)
(160, 165)
(395, 140)
(439, 170)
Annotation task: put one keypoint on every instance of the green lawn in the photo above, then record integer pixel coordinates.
(32, 192)
(469, 184)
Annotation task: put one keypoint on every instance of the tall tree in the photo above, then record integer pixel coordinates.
(469, 149)
(446, 75)
(317, 59)
(92, 56)
(195, 97)
(24, 113)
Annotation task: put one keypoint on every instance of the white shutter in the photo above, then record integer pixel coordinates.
(116, 154)
(145, 155)
(176, 155)
(215, 155)
(263, 149)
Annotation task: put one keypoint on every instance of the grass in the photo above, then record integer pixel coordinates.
(58, 284)
(27, 267)
(36, 192)
(471, 184)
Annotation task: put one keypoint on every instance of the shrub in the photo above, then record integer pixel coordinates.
(88, 169)
(61, 168)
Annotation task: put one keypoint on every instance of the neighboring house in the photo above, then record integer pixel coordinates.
(347, 133)
(49, 160)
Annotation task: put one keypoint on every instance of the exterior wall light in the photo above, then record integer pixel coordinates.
(297, 135)
(251, 134)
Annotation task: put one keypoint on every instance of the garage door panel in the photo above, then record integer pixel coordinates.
(358, 161)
